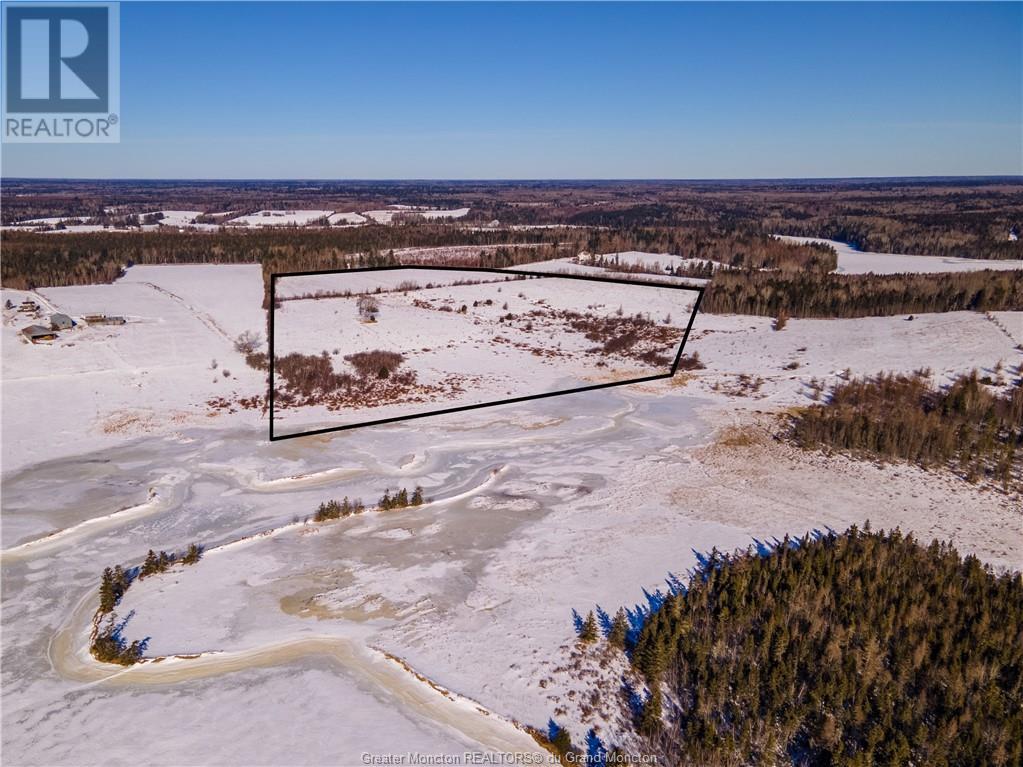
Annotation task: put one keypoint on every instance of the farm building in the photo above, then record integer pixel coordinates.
(37, 333)
(61, 322)
(103, 319)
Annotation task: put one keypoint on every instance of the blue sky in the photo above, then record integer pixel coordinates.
(579, 90)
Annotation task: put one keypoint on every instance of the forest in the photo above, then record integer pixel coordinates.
(853, 649)
(965, 217)
(964, 426)
(40, 259)
(825, 295)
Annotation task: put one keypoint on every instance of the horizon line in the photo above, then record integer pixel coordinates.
(579, 179)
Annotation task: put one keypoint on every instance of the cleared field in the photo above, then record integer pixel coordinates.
(853, 261)
(458, 344)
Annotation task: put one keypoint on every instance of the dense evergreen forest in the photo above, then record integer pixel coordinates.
(856, 649)
(817, 294)
(964, 427)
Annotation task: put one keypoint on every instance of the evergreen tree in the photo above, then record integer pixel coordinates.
(588, 633)
(562, 742)
(193, 555)
(650, 718)
(150, 566)
(107, 593)
(619, 630)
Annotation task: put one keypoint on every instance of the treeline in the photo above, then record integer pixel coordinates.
(972, 234)
(402, 499)
(338, 509)
(847, 650)
(805, 294)
(964, 426)
(39, 260)
(107, 642)
(732, 248)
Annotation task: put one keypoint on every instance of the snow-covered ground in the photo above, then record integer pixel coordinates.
(346, 218)
(853, 261)
(651, 261)
(385, 216)
(183, 219)
(280, 218)
(178, 217)
(99, 384)
(51, 220)
(512, 340)
(538, 509)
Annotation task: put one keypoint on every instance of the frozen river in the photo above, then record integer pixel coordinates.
(294, 614)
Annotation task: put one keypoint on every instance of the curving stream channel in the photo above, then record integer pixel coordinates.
(284, 624)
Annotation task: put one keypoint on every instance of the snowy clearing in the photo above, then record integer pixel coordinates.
(853, 261)
(280, 218)
(346, 218)
(468, 344)
(386, 216)
(112, 449)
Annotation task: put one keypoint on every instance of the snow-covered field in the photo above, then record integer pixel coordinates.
(475, 590)
(100, 384)
(178, 217)
(511, 340)
(280, 218)
(853, 261)
(385, 216)
(346, 218)
(184, 219)
(658, 262)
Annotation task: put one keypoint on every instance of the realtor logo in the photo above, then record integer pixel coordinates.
(61, 72)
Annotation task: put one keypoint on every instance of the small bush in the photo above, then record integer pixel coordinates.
(691, 362)
(376, 363)
(247, 343)
(368, 308)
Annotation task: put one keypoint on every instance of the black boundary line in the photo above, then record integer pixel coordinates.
(488, 270)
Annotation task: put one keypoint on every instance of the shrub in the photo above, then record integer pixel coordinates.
(621, 343)
(248, 342)
(307, 373)
(691, 362)
(376, 363)
(368, 308)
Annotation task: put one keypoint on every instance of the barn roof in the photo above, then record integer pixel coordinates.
(34, 331)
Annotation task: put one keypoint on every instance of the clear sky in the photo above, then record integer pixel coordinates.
(579, 90)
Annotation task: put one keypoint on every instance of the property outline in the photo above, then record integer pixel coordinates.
(699, 290)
